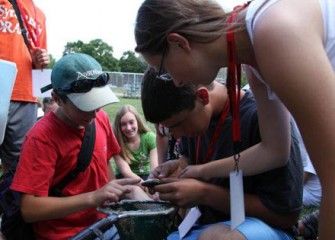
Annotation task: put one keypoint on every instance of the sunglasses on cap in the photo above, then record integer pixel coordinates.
(84, 85)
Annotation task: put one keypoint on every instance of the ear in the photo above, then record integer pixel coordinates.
(58, 100)
(177, 40)
(203, 95)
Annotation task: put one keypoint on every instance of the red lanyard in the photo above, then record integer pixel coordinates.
(215, 136)
(234, 83)
(33, 33)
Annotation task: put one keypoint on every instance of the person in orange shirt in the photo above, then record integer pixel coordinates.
(22, 112)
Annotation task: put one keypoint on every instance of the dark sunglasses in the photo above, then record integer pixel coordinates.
(163, 75)
(85, 85)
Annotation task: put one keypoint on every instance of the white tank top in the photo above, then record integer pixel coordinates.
(258, 7)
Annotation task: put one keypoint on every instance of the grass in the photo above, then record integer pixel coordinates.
(136, 102)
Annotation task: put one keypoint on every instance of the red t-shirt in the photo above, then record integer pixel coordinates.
(13, 48)
(49, 153)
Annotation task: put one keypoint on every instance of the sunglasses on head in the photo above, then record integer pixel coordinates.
(85, 85)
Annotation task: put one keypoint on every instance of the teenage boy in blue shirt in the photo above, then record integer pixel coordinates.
(272, 193)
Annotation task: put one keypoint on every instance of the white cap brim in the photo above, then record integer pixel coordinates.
(96, 98)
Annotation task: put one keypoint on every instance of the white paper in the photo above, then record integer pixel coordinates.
(190, 219)
(7, 79)
(41, 78)
(228, 6)
(237, 212)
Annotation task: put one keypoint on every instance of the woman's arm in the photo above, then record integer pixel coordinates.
(111, 174)
(162, 143)
(153, 159)
(125, 168)
(292, 57)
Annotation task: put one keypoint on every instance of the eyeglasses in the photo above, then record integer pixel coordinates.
(163, 75)
(85, 85)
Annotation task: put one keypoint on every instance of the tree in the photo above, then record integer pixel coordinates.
(130, 63)
(52, 62)
(98, 49)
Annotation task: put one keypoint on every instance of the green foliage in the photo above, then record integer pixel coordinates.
(98, 49)
(244, 80)
(130, 63)
(52, 62)
(103, 53)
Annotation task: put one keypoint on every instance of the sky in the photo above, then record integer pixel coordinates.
(112, 21)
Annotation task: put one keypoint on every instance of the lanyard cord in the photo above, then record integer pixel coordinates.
(234, 85)
(34, 36)
(215, 136)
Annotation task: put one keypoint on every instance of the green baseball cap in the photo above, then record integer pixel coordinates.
(75, 67)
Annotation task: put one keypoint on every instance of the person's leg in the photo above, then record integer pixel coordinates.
(250, 229)
(21, 117)
(220, 231)
(192, 234)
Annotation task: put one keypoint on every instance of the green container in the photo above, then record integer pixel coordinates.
(143, 220)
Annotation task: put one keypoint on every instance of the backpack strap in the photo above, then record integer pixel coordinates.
(23, 29)
(84, 159)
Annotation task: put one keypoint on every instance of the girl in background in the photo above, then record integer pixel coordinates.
(138, 145)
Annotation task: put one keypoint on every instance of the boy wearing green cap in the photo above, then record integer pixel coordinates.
(51, 149)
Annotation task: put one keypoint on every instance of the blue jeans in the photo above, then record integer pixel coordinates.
(251, 228)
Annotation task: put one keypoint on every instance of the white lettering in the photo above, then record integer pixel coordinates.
(30, 20)
(88, 74)
(7, 27)
(2, 11)
(7, 16)
(5, 12)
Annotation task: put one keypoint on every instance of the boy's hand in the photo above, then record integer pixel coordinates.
(168, 169)
(193, 172)
(185, 193)
(113, 191)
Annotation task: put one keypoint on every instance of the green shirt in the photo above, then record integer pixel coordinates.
(140, 164)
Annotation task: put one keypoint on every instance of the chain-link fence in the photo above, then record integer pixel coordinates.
(128, 85)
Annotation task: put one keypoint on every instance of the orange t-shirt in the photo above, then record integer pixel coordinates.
(13, 48)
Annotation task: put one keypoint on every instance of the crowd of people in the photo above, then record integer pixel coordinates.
(274, 141)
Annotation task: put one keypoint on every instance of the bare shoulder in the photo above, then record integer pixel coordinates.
(288, 20)
(288, 41)
(286, 33)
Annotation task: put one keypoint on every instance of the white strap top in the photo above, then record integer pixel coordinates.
(258, 7)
